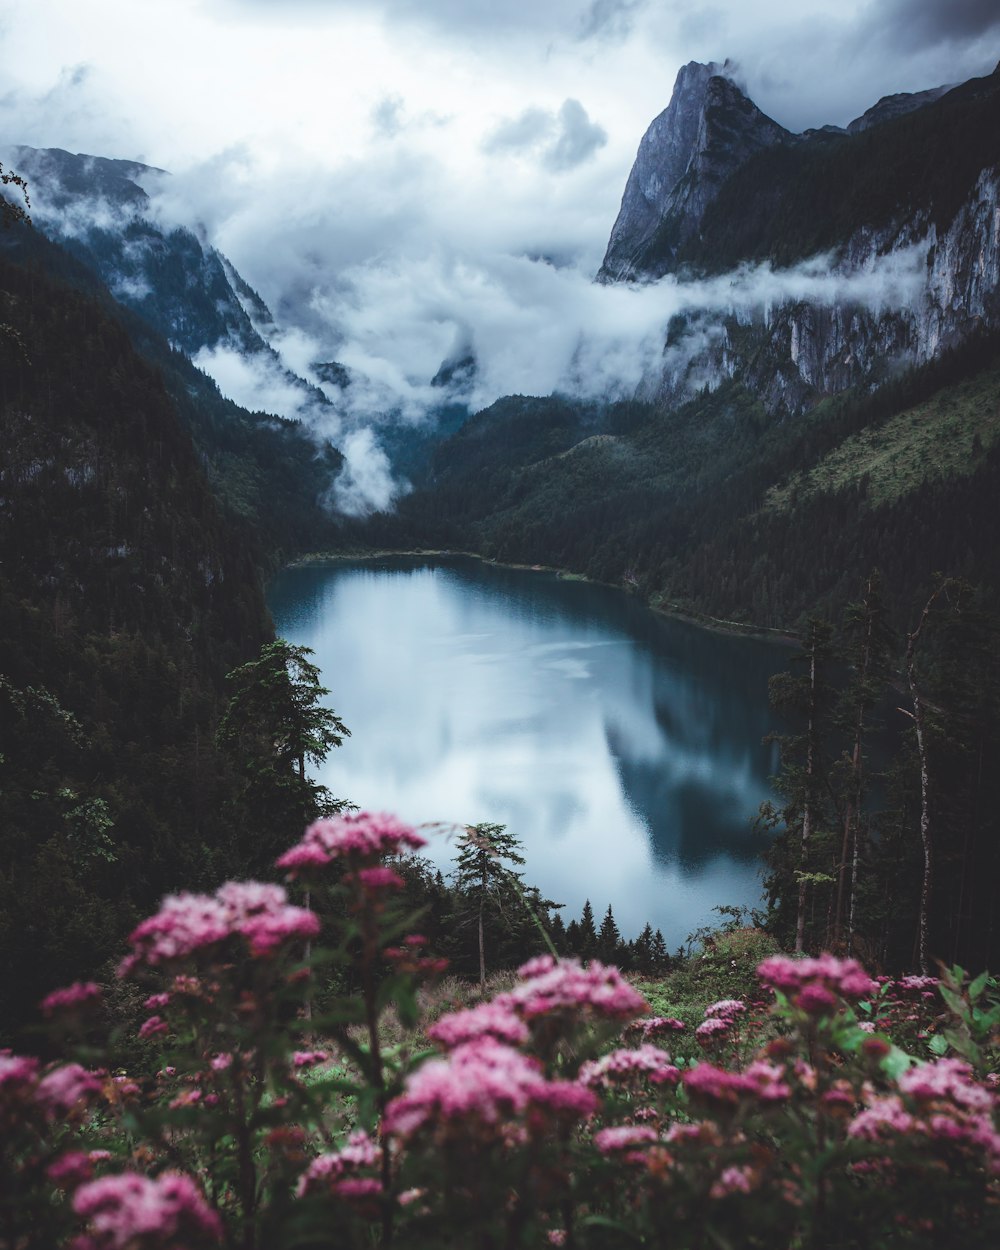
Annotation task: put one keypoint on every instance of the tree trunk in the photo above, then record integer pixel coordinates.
(807, 814)
(925, 781)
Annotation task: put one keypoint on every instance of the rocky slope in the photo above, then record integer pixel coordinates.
(897, 282)
(705, 133)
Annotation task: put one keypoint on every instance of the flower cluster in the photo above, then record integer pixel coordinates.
(550, 986)
(189, 923)
(620, 1066)
(938, 1102)
(478, 1087)
(358, 837)
(814, 985)
(338, 1172)
(129, 1210)
(58, 1093)
(493, 1019)
(762, 1080)
(71, 997)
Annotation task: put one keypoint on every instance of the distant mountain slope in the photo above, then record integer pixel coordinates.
(126, 594)
(267, 471)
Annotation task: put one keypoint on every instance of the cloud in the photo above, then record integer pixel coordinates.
(365, 484)
(578, 138)
(560, 141)
(462, 18)
(610, 19)
(928, 23)
(387, 116)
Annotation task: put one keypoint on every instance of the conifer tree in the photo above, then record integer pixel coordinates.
(609, 939)
(587, 941)
(487, 885)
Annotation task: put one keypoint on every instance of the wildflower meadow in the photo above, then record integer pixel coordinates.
(288, 1090)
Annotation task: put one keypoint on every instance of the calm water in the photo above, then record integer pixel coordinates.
(624, 750)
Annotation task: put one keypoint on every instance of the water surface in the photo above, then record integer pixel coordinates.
(625, 750)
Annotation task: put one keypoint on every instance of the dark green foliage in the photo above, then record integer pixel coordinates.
(125, 597)
(868, 903)
(672, 502)
(273, 724)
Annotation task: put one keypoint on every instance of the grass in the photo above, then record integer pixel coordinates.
(946, 436)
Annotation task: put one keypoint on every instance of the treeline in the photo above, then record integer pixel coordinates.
(672, 502)
(888, 827)
(483, 917)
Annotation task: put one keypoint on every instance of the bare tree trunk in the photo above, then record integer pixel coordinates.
(482, 953)
(925, 782)
(807, 814)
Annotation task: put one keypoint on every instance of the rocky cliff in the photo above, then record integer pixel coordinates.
(707, 131)
(901, 278)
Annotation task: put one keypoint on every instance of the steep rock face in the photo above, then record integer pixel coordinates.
(708, 130)
(791, 353)
(99, 210)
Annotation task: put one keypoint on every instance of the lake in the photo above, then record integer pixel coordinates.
(624, 749)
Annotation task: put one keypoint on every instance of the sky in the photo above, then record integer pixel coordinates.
(403, 179)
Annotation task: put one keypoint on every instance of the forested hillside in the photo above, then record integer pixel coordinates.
(128, 589)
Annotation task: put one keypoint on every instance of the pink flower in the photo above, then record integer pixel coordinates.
(377, 879)
(658, 1026)
(564, 985)
(357, 836)
(710, 1031)
(16, 1071)
(60, 1090)
(816, 1000)
(153, 1026)
(79, 994)
(917, 985)
(221, 1062)
(623, 1137)
(308, 1058)
(189, 923)
(479, 1085)
(835, 977)
(732, 1181)
(70, 1169)
(646, 1061)
(946, 1079)
(324, 1171)
(127, 1209)
(156, 1002)
(493, 1019)
(762, 1080)
(726, 1009)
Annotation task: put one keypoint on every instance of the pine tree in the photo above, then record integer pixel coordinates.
(643, 954)
(485, 882)
(609, 939)
(587, 941)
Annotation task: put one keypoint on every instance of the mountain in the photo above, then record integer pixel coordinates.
(707, 131)
(828, 402)
(893, 226)
(177, 295)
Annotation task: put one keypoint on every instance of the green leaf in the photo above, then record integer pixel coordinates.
(938, 1044)
(978, 985)
(953, 1000)
(896, 1063)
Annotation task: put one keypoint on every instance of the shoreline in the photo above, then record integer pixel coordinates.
(716, 625)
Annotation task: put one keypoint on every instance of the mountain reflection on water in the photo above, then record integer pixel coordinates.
(625, 750)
